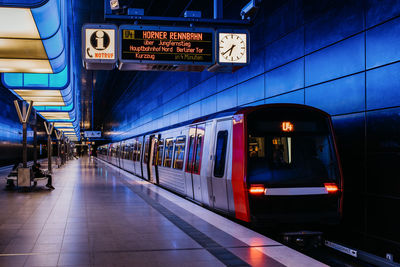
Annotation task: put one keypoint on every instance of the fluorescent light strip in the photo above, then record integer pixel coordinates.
(55, 115)
(63, 124)
(48, 104)
(66, 129)
(22, 48)
(37, 93)
(25, 65)
(42, 97)
(17, 23)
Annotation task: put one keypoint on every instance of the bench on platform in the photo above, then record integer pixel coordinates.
(13, 177)
(36, 179)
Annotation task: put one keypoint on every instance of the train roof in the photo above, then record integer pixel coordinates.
(225, 113)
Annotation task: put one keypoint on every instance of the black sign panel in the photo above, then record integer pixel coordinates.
(166, 45)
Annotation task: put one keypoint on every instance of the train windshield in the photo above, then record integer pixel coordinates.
(290, 149)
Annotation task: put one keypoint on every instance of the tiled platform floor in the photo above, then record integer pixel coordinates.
(101, 216)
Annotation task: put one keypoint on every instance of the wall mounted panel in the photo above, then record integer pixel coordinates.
(284, 79)
(383, 44)
(383, 87)
(346, 95)
(338, 60)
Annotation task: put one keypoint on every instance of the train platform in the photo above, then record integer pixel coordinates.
(99, 215)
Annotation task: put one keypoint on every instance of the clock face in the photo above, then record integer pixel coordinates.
(232, 48)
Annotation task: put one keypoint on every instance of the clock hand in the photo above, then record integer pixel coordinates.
(230, 53)
(230, 49)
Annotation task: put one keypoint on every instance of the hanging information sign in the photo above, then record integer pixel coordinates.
(99, 49)
(165, 48)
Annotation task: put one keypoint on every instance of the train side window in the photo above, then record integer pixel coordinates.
(139, 149)
(146, 151)
(134, 151)
(199, 151)
(125, 151)
(169, 146)
(160, 150)
(131, 151)
(179, 153)
(220, 154)
(189, 160)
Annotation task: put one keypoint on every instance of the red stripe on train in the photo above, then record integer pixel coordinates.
(239, 185)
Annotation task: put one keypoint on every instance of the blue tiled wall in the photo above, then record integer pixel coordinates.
(11, 131)
(340, 56)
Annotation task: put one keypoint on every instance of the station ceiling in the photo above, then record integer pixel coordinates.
(101, 91)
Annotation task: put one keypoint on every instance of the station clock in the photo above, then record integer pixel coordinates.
(232, 47)
(232, 50)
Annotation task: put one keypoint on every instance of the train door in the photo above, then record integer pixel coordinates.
(145, 158)
(140, 155)
(219, 173)
(189, 163)
(135, 167)
(122, 155)
(193, 162)
(110, 155)
(150, 167)
(160, 156)
(198, 153)
(156, 152)
(119, 154)
(116, 152)
(129, 156)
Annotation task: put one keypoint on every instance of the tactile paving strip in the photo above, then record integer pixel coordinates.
(218, 251)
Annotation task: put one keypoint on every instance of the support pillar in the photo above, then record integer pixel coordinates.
(23, 118)
(49, 129)
(64, 151)
(24, 174)
(24, 142)
(58, 136)
(35, 140)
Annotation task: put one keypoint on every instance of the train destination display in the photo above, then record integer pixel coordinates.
(166, 45)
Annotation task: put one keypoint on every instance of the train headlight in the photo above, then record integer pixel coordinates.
(331, 187)
(257, 189)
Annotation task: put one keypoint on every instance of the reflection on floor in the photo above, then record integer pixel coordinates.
(100, 216)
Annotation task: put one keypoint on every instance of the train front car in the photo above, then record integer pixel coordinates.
(290, 166)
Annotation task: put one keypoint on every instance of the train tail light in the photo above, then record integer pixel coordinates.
(331, 188)
(257, 189)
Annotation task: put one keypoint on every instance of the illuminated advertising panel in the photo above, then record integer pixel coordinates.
(147, 47)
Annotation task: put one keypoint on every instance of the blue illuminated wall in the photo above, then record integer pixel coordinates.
(340, 56)
(11, 131)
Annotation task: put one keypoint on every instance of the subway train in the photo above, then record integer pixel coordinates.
(274, 163)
